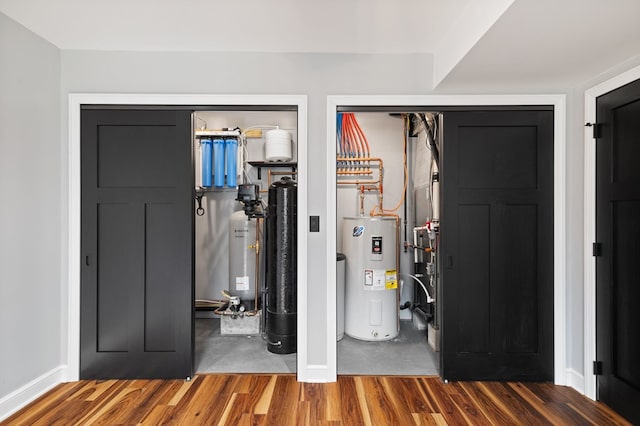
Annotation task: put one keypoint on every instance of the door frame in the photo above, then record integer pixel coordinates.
(559, 199)
(590, 300)
(76, 101)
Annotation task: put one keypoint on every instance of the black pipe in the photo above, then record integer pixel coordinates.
(406, 189)
(431, 139)
(282, 270)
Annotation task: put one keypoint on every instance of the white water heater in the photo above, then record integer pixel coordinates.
(242, 258)
(371, 288)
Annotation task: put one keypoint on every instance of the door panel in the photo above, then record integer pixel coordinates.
(618, 231)
(137, 244)
(497, 180)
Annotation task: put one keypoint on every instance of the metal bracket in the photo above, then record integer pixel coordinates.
(597, 368)
(596, 129)
(596, 249)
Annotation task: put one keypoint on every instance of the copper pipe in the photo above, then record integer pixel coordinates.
(351, 159)
(371, 183)
(363, 172)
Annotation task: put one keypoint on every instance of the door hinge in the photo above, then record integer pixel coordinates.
(597, 249)
(596, 129)
(597, 368)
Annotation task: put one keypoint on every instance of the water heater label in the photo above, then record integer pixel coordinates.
(358, 230)
(391, 279)
(375, 279)
(376, 245)
(242, 283)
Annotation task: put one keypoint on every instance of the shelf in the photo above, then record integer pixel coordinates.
(207, 190)
(217, 133)
(273, 164)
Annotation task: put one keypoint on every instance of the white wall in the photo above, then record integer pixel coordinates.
(316, 75)
(31, 251)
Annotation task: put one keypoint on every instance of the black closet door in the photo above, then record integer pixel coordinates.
(497, 245)
(618, 232)
(137, 249)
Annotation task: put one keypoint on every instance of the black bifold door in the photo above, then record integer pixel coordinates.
(497, 245)
(136, 244)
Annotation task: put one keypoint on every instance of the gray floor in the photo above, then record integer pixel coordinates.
(407, 354)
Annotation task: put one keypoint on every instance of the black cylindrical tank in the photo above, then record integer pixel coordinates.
(281, 267)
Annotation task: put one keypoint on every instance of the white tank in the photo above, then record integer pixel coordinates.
(371, 294)
(277, 146)
(242, 258)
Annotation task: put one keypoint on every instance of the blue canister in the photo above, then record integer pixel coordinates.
(218, 163)
(207, 160)
(231, 149)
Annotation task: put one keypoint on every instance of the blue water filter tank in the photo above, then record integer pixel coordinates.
(207, 160)
(231, 148)
(218, 163)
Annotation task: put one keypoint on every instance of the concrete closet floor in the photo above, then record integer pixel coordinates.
(407, 354)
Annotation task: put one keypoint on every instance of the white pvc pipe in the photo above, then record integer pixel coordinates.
(426, 292)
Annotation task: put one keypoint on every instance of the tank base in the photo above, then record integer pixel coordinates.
(281, 345)
(373, 337)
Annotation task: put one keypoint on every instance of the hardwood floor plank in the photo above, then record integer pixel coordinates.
(333, 406)
(180, 393)
(555, 412)
(156, 415)
(423, 419)
(231, 411)
(469, 410)
(362, 401)
(524, 412)
(379, 403)
(280, 400)
(597, 416)
(350, 404)
(443, 402)
(494, 410)
(304, 415)
(439, 419)
(255, 386)
(286, 394)
(414, 395)
(262, 406)
(399, 399)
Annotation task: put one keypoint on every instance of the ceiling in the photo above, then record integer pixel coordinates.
(337, 26)
(550, 44)
(488, 43)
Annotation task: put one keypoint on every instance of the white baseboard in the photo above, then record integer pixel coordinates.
(575, 380)
(22, 396)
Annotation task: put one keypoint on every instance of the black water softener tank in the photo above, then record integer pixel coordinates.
(281, 267)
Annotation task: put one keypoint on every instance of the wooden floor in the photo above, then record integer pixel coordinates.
(280, 400)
